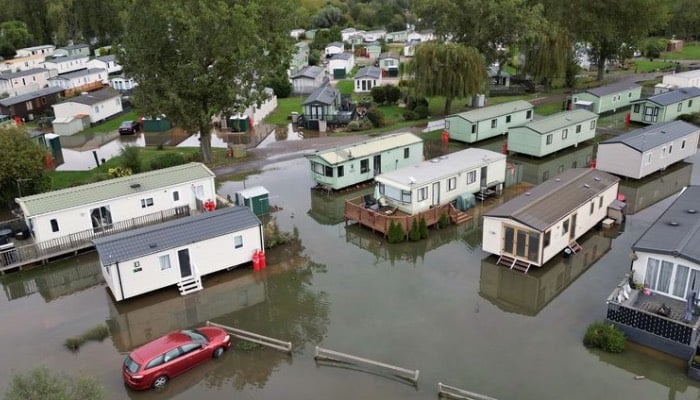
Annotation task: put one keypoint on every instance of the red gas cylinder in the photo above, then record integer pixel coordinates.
(504, 148)
(261, 258)
(445, 136)
(256, 261)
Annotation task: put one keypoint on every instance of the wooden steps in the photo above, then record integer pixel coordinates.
(460, 217)
(574, 247)
(189, 285)
(514, 263)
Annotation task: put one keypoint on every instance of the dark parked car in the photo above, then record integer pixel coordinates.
(154, 363)
(128, 127)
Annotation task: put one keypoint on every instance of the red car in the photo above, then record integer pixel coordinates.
(154, 363)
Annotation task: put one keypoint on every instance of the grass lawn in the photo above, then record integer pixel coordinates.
(548, 108)
(642, 66)
(111, 125)
(64, 179)
(346, 87)
(284, 109)
(691, 51)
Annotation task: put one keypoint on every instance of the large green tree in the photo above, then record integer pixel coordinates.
(21, 165)
(193, 59)
(447, 69)
(13, 35)
(547, 51)
(610, 26)
(685, 19)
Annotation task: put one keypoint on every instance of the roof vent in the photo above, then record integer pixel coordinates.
(557, 179)
(673, 223)
(595, 178)
(527, 193)
(692, 211)
(586, 185)
(135, 185)
(152, 245)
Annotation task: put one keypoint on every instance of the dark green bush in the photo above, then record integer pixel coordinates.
(131, 159)
(443, 221)
(376, 116)
(410, 115)
(41, 383)
(414, 233)
(605, 336)
(421, 111)
(74, 343)
(98, 333)
(392, 94)
(423, 228)
(167, 160)
(378, 94)
(395, 233)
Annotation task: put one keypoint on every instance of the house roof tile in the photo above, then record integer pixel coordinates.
(325, 94)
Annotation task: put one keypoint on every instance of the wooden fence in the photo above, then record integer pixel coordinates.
(255, 338)
(39, 252)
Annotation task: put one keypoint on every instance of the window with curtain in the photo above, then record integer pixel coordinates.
(652, 271)
(694, 281)
(664, 283)
(679, 283)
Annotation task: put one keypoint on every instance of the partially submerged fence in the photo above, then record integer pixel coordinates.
(452, 392)
(255, 338)
(410, 375)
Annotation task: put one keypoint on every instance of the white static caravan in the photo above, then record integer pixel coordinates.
(441, 180)
(539, 224)
(643, 151)
(338, 168)
(179, 251)
(98, 206)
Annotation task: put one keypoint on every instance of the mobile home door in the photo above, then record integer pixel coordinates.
(183, 257)
(436, 193)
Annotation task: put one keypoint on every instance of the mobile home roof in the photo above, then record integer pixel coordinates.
(494, 111)
(366, 148)
(652, 136)
(440, 167)
(560, 120)
(56, 200)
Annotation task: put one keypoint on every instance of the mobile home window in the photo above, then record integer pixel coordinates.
(176, 195)
(680, 280)
(406, 196)
(648, 159)
(564, 134)
(317, 167)
(238, 241)
(636, 108)
(147, 202)
(549, 139)
(54, 225)
(452, 183)
(473, 128)
(528, 115)
(406, 152)
(328, 171)
(164, 262)
(683, 144)
(690, 103)
(592, 208)
(494, 123)
(547, 237)
(600, 202)
(422, 193)
(471, 177)
(664, 282)
(578, 128)
(364, 165)
(670, 148)
(507, 118)
(652, 271)
(592, 124)
(565, 227)
(447, 124)
(137, 266)
(341, 171)
(680, 106)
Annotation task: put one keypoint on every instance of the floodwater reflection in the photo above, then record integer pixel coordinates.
(640, 194)
(329, 208)
(527, 294)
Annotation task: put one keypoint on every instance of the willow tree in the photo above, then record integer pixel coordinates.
(193, 59)
(547, 53)
(447, 69)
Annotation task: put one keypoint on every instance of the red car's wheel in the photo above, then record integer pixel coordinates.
(160, 382)
(218, 352)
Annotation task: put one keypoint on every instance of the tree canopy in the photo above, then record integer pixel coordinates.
(447, 69)
(193, 59)
(21, 165)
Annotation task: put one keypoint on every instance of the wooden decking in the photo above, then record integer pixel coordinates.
(380, 220)
(33, 253)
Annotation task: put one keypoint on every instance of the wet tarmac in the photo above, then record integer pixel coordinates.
(439, 306)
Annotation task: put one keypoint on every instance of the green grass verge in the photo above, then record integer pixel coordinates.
(548, 108)
(111, 125)
(284, 109)
(691, 51)
(346, 87)
(644, 66)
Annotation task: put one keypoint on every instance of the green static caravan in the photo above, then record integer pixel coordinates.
(256, 198)
(483, 123)
(553, 133)
(340, 167)
(666, 106)
(608, 98)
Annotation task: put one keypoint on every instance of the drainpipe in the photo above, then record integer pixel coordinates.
(119, 276)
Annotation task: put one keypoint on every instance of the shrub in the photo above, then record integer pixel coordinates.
(443, 221)
(247, 346)
(118, 171)
(410, 115)
(131, 159)
(378, 94)
(413, 102)
(395, 233)
(167, 160)
(423, 228)
(98, 333)
(414, 233)
(376, 116)
(421, 111)
(74, 343)
(40, 383)
(392, 94)
(359, 125)
(605, 336)
(280, 85)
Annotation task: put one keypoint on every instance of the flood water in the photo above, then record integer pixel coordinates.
(439, 305)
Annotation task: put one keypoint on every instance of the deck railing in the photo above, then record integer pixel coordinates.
(36, 252)
(380, 221)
